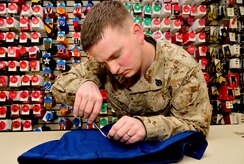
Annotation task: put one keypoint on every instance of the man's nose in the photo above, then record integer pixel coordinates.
(113, 67)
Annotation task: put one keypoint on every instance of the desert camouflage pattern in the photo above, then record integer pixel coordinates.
(171, 97)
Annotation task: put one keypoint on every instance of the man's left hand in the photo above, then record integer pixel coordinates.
(128, 130)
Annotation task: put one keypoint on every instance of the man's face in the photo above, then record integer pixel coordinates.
(120, 51)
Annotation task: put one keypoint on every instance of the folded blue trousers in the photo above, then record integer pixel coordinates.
(88, 145)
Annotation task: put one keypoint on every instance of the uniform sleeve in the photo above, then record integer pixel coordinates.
(190, 109)
(65, 88)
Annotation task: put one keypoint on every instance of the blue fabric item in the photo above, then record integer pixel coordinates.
(88, 145)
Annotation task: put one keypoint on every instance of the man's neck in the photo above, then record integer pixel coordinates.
(148, 56)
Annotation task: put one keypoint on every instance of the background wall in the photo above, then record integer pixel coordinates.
(212, 31)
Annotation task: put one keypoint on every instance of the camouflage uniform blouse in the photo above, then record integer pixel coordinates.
(171, 97)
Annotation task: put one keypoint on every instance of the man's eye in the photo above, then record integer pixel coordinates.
(116, 56)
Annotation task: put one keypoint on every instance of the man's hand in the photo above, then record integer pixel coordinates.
(128, 130)
(88, 101)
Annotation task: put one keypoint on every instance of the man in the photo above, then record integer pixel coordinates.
(156, 88)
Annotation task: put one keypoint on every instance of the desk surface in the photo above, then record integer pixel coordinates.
(225, 145)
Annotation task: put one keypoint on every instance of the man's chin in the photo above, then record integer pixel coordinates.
(127, 75)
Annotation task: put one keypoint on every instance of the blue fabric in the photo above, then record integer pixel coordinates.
(88, 145)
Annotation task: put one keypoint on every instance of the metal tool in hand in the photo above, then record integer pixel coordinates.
(100, 130)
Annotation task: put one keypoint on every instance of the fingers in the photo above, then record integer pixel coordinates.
(125, 138)
(117, 131)
(129, 138)
(128, 130)
(88, 109)
(94, 111)
(121, 130)
(80, 106)
(88, 102)
(76, 111)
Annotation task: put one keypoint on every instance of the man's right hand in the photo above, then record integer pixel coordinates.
(88, 101)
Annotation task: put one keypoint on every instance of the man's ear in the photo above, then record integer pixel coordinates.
(138, 31)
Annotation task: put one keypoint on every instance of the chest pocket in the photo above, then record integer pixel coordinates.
(150, 102)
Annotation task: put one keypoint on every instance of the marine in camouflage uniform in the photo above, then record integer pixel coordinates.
(171, 97)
